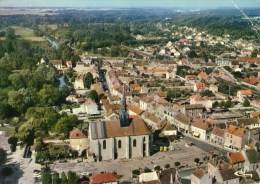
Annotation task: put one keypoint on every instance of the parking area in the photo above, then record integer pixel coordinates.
(185, 155)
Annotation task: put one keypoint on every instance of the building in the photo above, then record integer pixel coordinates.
(252, 160)
(91, 107)
(236, 137)
(78, 140)
(217, 136)
(182, 123)
(200, 128)
(104, 178)
(56, 63)
(124, 138)
(223, 62)
(200, 176)
(197, 99)
(199, 86)
(193, 111)
(242, 94)
(79, 82)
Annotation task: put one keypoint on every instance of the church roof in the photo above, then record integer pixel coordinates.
(109, 129)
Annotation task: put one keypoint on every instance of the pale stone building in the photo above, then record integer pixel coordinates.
(78, 140)
(124, 138)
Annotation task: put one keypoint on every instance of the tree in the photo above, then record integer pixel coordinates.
(64, 179)
(65, 124)
(46, 176)
(192, 54)
(197, 160)
(13, 143)
(207, 93)
(177, 164)
(3, 156)
(246, 103)
(56, 178)
(88, 80)
(167, 166)
(49, 95)
(93, 95)
(72, 178)
(20, 100)
(254, 53)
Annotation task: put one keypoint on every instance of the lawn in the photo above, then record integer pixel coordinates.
(26, 33)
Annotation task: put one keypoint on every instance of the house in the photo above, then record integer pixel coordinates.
(202, 76)
(236, 137)
(78, 140)
(197, 99)
(168, 130)
(237, 160)
(199, 86)
(56, 63)
(223, 62)
(69, 64)
(79, 82)
(104, 178)
(145, 103)
(217, 136)
(213, 88)
(149, 177)
(124, 138)
(200, 176)
(199, 129)
(152, 120)
(227, 176)
(170, 74)
(134, 110)
(249, 123)
(252, 160)
(193, 111)
(182, 123)
(255, 114)
(91, 107)
(242, 94)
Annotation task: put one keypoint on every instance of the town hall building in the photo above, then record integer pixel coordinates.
(124, 138)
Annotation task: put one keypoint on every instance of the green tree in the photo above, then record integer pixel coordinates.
(197, 160)
(3, 156)
(13, 142)
(72, 178)
(49, 95)
(254, 53)
(46, 176)
(64, 179)
(20, 100)
(246, 103)
(177, 164)
(192, 54)
(93, 95)
(65, 124)
(88, 80)
(56, 178)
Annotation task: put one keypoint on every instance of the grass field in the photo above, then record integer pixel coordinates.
(26, 34)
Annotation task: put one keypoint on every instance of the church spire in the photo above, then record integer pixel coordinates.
(124, 116)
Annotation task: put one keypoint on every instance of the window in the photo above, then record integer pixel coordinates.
(104, 144)
(134, 143)
(119, 144)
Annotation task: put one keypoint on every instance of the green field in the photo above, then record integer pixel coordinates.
(26, 34)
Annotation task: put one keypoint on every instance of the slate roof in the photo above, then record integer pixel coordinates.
(228, 174)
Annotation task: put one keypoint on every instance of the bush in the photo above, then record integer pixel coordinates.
(167, 166)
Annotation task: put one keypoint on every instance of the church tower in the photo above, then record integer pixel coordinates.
(124, 116)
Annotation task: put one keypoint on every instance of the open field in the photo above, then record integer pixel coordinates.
(24, 12)
(26, 33)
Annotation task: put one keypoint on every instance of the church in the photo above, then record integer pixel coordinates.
(116, 139)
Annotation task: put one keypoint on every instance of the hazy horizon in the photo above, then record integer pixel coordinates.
(198, 4)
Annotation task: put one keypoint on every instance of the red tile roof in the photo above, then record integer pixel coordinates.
(236, 157)
(77, 134)
(104, 178)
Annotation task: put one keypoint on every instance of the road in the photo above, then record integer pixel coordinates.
(205, 145)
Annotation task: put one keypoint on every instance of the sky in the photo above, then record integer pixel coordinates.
(130, 3)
